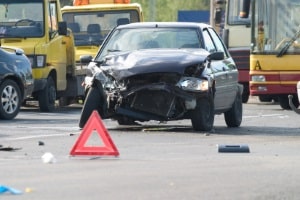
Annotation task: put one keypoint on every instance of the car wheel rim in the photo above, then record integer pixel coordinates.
(9, 99)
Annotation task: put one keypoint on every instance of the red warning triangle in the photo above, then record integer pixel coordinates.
(94, 123)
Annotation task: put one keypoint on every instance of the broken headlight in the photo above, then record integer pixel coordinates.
(192, 84)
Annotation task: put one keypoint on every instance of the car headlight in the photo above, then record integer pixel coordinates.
(193, 84)
(258, 78)
(37, 61)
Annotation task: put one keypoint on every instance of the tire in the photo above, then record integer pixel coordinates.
(203, 116)
(10, 99)
(246, 94)
(292, 105)
(92, 102)
(233, 117)
(47, 96)
(245, 97)
(284, 102)
(65, 101)
(123, 120)
(265, 98)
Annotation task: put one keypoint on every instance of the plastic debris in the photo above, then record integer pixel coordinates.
(233, 148)
(28, 190)
(4, 189)
(48, 158)
(8, 148)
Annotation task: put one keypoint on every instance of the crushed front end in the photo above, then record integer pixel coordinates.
(145, 93)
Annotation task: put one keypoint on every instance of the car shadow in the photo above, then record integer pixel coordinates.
(33, 108)
(217, 130)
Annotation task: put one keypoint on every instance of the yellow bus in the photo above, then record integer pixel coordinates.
(275, 48)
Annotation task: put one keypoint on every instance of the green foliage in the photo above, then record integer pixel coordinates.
(163, 10)
(66, 2)
(166, 10)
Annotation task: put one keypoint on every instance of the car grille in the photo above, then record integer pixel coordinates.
(155, 102)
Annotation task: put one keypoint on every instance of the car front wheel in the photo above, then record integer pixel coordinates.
(203, 116)
(233, 117)
(10, 100)
(91, 103)
(95, 100)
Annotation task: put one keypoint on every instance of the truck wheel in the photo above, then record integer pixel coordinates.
(284, 102)
(65, 101)
(10, 99)
(233, 117)
(92, 102)
(265, 98)
(47, 96)
(203, 116)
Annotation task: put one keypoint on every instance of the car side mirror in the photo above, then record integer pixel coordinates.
(62, 28)
(218, 55)
(86, 59)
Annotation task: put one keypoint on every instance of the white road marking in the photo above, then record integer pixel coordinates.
(36, 136)
(269, 115)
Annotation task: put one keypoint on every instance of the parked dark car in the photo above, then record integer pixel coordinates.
(16, 81)
(164, 71)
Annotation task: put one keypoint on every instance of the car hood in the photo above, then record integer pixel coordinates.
(123, 65)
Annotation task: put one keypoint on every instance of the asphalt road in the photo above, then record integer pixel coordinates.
(156, 160)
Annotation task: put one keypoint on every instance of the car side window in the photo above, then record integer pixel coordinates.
(218, 43)
(209, 44)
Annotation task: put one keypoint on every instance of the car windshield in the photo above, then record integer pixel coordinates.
(145, 38)
(21, 18)
(275, 28)
(90, 28)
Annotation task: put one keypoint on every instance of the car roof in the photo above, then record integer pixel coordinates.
(165, 25)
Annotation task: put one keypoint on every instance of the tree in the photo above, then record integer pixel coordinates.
(166, 10)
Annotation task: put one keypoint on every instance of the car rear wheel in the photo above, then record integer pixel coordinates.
(10, 99)
(233, 117)
(47, 96)
(246, 93)
(203, 116)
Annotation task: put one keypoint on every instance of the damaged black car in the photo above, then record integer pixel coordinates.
(163, 71)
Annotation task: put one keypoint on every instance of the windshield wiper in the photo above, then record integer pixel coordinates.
(288, 44)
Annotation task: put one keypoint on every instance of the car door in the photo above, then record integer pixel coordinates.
(225, 72)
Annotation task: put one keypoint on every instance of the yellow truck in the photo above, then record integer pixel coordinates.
(37, 27)
(91, 20)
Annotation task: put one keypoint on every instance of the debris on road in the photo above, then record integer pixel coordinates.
(233, 148)
(4, 189)
(48, 158)
(8, 148)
